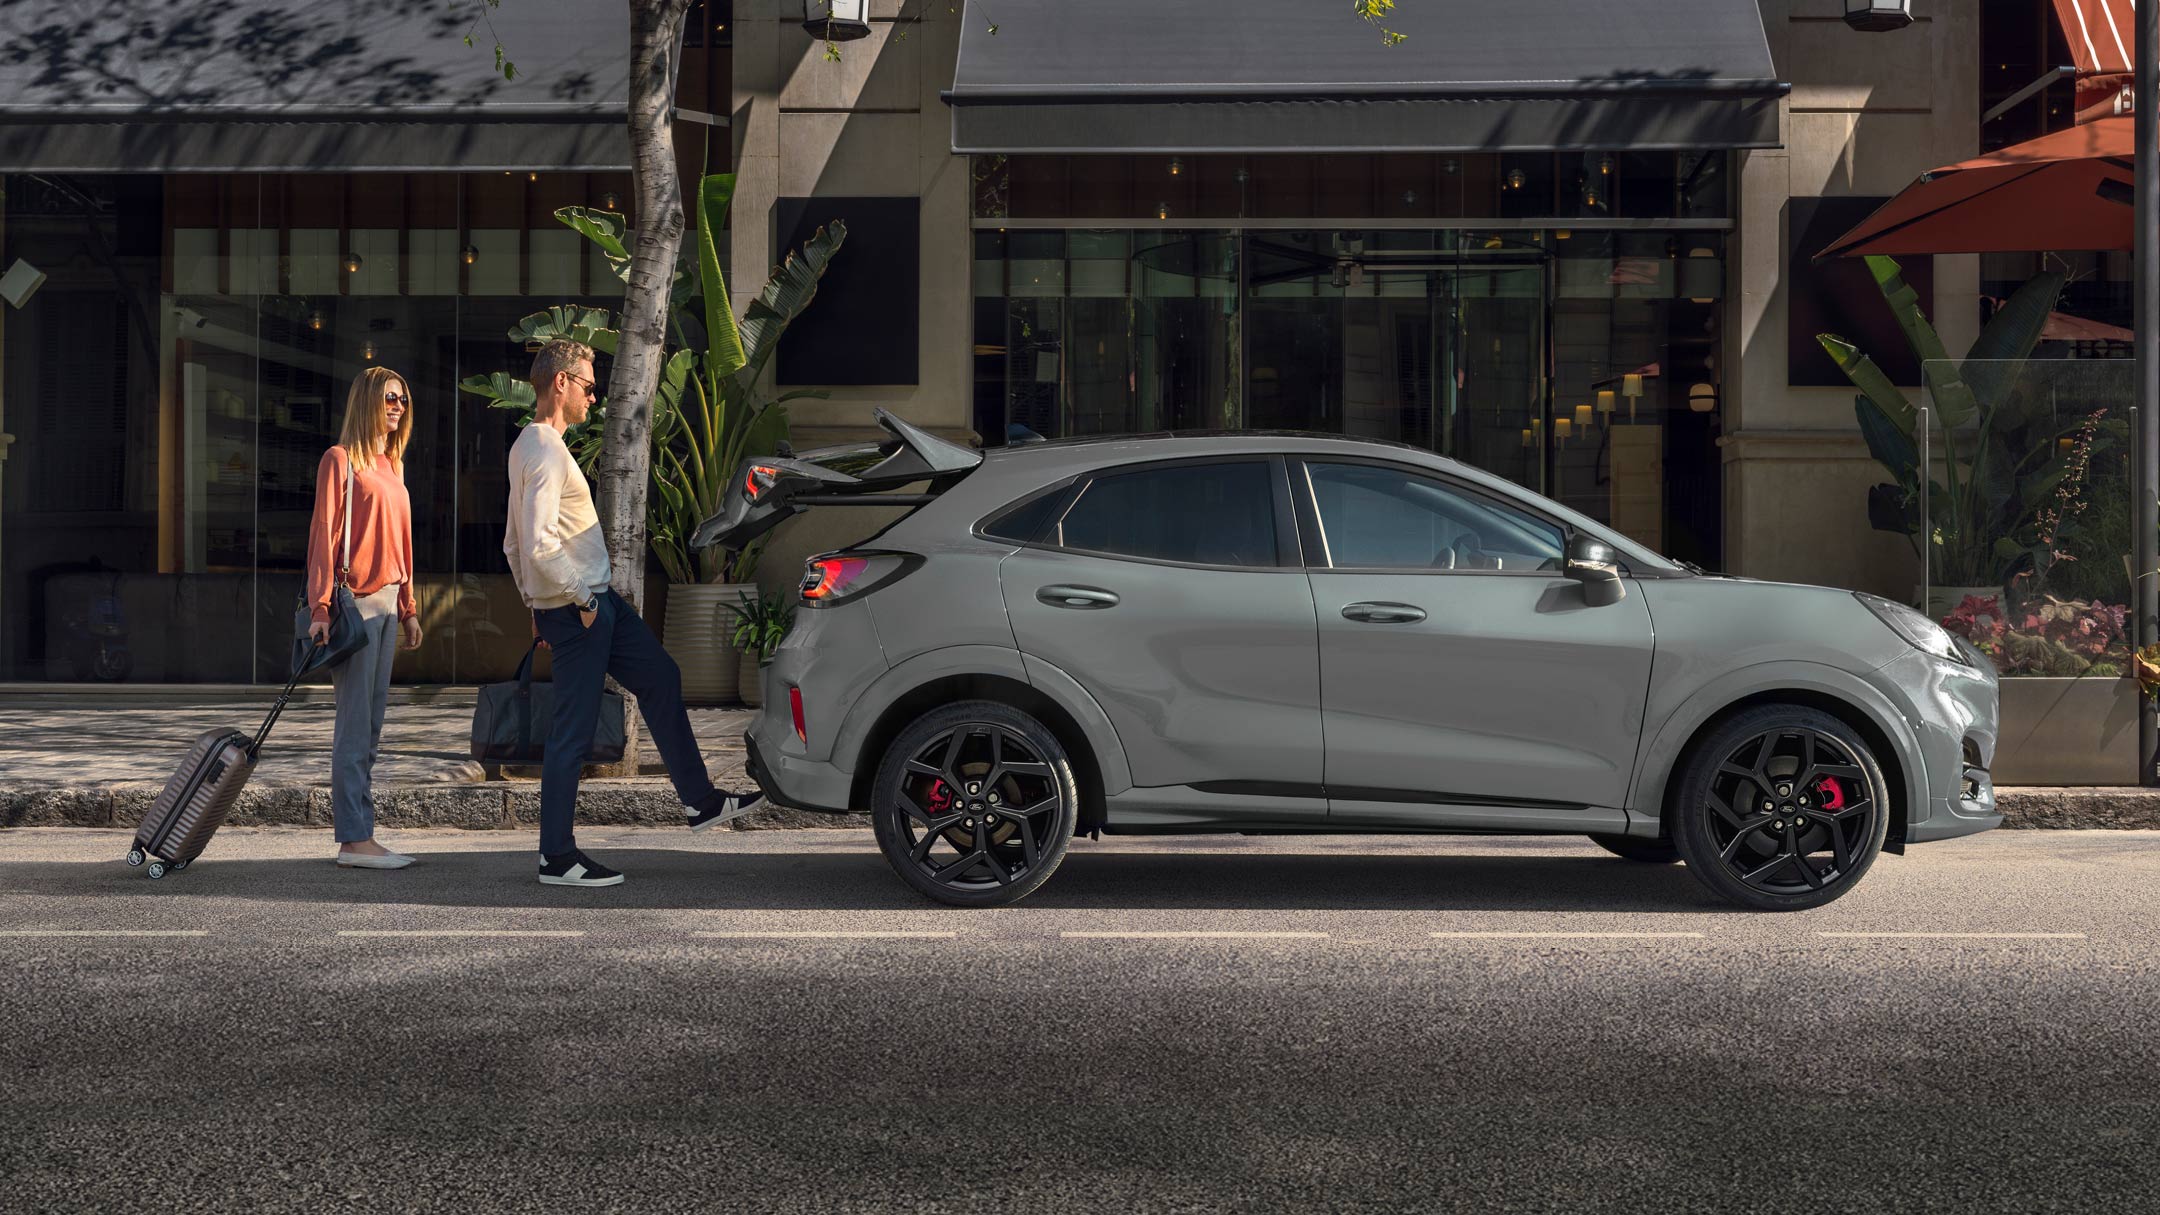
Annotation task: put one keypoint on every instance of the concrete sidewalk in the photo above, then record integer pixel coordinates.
(93, 762)
(100, 761)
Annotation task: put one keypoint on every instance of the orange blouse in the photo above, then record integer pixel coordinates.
(382, 550)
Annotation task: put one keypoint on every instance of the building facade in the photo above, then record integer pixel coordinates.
(1574, 251)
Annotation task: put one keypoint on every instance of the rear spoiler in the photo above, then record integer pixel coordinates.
(768, 490)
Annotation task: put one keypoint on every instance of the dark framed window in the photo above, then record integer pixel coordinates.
(1209, 513)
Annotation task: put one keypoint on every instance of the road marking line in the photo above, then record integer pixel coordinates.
(103, 932)
(824, 935)
(1969, 936)
(1588, 936)
(457, 932)
(1169, 936)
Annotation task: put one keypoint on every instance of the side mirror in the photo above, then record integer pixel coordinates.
(1595, 565)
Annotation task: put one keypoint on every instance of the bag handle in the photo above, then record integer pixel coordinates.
(525, 668)
(345, 570)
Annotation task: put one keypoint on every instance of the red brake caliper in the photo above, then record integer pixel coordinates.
(1833, 793)
(941, 797)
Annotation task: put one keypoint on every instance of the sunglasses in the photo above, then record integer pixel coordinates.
(394, 398)
(581, 382)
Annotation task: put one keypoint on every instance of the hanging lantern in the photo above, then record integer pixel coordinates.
(1702, 398)
(352, 263)
(1877, 16)
(367, 351)
(1516, 179)
(472, 254)
(837, 20)
(315, 320)
(1177, 166)
(608, 201)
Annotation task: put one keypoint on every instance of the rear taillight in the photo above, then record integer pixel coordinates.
(794, 696)
(828, 577)
(759, 479)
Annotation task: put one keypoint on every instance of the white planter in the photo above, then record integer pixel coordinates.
(2067, 732)
(699, 629)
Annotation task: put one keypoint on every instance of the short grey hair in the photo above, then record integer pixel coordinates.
(560, 354)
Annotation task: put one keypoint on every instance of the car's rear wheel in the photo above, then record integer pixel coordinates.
(975, 803)
(1780, 809)
(1651, 852)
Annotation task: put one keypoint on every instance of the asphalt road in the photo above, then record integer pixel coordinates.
(301, 1054)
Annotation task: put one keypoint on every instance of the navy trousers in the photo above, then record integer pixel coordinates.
(618, 644)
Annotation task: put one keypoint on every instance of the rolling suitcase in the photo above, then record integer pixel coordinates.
(201, 793)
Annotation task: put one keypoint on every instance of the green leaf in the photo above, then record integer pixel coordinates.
(502, 390)
(766, 431)
(786, 294)
(606, 229)
(723, 344)
(1893, 448)
(674, 376)
(1952, 400)
(588, 325)
(2015, 329)
(1869, 379)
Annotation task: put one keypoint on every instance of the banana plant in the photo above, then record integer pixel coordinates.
(709, 413)
(1994, 438)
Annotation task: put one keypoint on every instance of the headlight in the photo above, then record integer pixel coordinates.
(1925, 635)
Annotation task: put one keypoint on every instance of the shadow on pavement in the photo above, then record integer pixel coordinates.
(666, 879)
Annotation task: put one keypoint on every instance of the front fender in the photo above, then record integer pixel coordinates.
(1660, 753)
(963, 660)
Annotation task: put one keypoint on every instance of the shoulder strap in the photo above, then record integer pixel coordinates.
(345, 570)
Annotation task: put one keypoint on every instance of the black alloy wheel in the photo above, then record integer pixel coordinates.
(1781, 809)
(975, 803)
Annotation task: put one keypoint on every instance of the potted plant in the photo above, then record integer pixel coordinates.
(1986, 507)
(760, 622)
(709, 414)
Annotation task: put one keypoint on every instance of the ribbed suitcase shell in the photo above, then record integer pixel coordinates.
(196, 800)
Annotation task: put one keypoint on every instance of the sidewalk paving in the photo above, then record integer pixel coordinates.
(96, 763)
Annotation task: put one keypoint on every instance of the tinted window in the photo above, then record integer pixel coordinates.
(1201, 514)
(1026, 521)
(1388, 518)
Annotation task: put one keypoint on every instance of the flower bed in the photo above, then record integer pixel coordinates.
(2046, 636)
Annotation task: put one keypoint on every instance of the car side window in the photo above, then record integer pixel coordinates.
(1220, 513)
(1378, 517)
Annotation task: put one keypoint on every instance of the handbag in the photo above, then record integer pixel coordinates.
(511, 720)
(347, 637)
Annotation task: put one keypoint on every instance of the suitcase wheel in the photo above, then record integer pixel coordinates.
(157, 870)
(135, 857)
(177, 866)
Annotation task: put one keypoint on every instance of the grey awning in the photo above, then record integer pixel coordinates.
(1305, 76)
(226, 85)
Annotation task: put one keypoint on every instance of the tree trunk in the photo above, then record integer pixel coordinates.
(656, 28)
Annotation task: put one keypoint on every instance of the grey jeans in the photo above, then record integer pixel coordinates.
(363, 684)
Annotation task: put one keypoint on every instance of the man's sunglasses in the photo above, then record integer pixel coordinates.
(581, 382)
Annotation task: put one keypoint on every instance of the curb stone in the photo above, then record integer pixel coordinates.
(515, 805)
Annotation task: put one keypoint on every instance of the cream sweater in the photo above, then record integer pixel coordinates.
(553, 541)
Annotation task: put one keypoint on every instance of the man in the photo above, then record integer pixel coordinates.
(560, 561)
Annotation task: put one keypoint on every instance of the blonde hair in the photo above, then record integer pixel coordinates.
(367, 421)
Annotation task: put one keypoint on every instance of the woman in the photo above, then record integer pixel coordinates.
(370, 458)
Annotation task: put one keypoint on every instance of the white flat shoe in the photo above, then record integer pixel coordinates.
(362, 860)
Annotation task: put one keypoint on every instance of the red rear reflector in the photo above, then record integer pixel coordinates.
(825, 577)
(794, 696)
(759, 479)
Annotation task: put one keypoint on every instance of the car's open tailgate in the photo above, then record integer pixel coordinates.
(768, 490)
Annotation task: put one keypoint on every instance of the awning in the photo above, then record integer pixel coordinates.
(2099, 37)
(1303, 76)
(310, 85)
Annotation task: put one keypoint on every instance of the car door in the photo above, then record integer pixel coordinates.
(1464, 679)
(1173, 593)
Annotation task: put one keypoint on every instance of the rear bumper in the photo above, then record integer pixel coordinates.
(794, 781)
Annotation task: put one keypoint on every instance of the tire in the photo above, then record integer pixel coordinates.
(1659, 851)
(157, 870)
(135, 858)
(932, 804)
(1766, 795)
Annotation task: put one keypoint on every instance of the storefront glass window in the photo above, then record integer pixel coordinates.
(174, 381)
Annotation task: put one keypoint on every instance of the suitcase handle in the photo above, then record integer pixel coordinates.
(255, 744)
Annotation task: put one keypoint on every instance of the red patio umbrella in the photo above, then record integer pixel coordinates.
(2064, 191)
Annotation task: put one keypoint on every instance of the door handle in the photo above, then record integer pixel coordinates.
(1085, 598)
(1383, 613)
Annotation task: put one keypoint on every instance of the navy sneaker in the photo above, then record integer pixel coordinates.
(718, 808)
(574, 868)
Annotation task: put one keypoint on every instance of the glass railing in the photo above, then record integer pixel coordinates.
(2018, 498)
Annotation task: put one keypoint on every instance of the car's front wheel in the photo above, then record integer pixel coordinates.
(1782, 808)
(975, 803)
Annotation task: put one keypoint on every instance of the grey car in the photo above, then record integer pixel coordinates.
(1274, 633)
